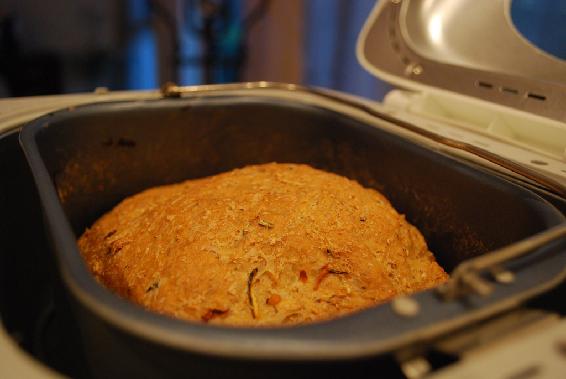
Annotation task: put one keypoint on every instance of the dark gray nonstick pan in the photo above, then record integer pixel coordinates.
(85, 160)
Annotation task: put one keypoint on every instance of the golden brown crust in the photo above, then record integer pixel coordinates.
(270, 244)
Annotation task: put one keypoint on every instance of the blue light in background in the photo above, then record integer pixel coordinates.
(229, 41)
(141, 53)
(190, 47)
(543, 23)
(331, 32)
(226, 43)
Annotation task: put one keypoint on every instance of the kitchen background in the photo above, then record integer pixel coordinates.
(65, 46)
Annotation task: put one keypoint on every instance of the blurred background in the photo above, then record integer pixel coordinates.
(66, 46)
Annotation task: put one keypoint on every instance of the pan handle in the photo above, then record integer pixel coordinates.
(466, 279)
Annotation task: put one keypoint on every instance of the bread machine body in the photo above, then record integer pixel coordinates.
(85, 160)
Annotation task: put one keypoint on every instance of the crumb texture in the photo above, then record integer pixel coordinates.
(272, 244)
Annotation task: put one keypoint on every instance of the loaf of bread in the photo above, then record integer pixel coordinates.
(272, 244)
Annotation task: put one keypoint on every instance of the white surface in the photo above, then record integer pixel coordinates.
(14, 363)
(531, 141)
(15, 111)
(541, 355)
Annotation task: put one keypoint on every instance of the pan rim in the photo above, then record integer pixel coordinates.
(227, 342)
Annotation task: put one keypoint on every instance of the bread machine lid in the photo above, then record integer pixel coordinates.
(467, 47)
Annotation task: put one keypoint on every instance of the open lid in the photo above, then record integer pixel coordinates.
(469, 47)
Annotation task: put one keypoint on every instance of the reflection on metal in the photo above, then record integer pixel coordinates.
(405, 306)
(435, 29)
(101, 90)
(172, 90)
(416, 69)
(416, 368)
(502, 276)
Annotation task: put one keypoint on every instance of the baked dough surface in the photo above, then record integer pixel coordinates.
(272, 244)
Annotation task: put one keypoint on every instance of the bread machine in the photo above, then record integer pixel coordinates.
(472, 150)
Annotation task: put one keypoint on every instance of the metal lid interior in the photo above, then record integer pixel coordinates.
(469, 47)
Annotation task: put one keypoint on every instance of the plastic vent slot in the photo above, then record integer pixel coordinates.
(536, 96)
(486, 85)
(511, 91)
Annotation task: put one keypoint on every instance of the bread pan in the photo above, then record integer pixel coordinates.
(86, 159)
